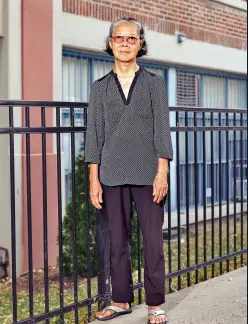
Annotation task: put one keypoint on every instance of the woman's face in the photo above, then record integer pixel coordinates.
(125, 42)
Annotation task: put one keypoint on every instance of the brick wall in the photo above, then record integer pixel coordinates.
(203, 20)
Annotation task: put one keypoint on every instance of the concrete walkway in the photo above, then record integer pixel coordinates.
(222, 300)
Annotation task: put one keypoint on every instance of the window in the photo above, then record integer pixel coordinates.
(213, 92)
(237, 93)
(210, 91)
(187, 89)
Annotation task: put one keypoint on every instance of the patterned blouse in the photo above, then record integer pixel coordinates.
(126, 136)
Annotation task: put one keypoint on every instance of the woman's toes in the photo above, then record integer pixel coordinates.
(158, 320)
(100, 314)
(103, 314)
(152, 320)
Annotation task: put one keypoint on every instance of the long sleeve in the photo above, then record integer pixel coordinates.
(95, 127)
(162, 134)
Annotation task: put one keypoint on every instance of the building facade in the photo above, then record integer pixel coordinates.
(53, 50)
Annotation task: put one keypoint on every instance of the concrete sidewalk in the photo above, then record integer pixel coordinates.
(216, 301)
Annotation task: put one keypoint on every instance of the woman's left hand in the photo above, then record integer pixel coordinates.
(160, 187)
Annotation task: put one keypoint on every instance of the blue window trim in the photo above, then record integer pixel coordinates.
(213, 73)
(201, 91)
(166, 77)
(226, 93)
(98, 56)
(90, 74)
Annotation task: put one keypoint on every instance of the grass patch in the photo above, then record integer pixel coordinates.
(171, 285)
(219, 248)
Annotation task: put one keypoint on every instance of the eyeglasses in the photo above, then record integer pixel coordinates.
(120, 39)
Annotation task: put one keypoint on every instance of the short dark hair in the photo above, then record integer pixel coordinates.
(142, 51)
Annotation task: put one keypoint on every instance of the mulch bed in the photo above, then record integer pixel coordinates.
(22, 281)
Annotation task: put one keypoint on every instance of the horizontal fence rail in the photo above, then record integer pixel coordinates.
(63, 275)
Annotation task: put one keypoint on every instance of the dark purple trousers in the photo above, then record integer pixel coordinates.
(117, 206)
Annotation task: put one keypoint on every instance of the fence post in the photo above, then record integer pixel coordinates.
(103, 257)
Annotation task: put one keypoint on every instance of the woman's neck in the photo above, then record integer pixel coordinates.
(125, 69)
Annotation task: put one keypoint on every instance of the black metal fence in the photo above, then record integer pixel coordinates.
(201, 241)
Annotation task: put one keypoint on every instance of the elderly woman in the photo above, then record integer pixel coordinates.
(128, 147)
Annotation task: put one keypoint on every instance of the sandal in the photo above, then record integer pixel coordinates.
(118, 311)
(156, 313)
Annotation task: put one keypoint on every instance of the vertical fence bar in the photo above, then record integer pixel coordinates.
(227, 174)
(87, 236)
(187, 196)
(212, 190)
(103, 257)
(60, 222)
(87, 224)
(242, 191)
(74, 230)
(13, 215)
(178, 205)
(44, 185)
(227, 194)
(169, 231)
(29, 215)
(220, 194)
(235, 192)
(196, 196)
(139, 261)
(204, 197)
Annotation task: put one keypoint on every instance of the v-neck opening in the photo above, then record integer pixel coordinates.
(125, 100)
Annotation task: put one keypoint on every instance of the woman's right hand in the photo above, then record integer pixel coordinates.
(96, 193)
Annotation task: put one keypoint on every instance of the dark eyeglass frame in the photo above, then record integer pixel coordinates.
(132, 40)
